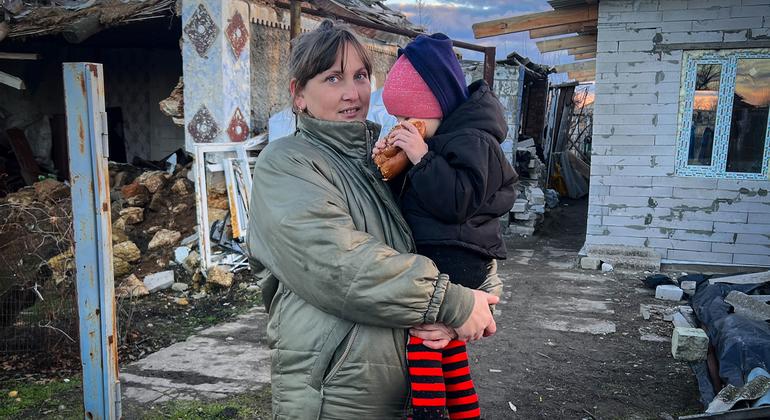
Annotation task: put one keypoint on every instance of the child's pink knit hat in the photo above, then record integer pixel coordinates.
(405, 93)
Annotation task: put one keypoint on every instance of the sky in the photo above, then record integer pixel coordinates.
(455, 18)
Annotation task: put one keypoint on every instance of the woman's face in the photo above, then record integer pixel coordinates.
(337, 94)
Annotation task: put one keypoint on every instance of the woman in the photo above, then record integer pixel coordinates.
(343, 285)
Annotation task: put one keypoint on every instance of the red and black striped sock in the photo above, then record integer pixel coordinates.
(426, 378)
(461, 398)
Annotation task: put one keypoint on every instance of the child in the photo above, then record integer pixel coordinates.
(452, 197)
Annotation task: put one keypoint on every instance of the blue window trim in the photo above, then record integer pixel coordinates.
(728, 59)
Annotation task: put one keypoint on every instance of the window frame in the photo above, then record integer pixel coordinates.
(728, 60)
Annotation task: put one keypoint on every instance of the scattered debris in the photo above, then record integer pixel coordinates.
(751, 307)
(590, 263)
(668, 292)
(512, 407)
(689, 344)
(179, 287)
(656, 280)
(159, 281)
(131, 287)
(495, 371)
(752, 278)
(163, 238)
(181, 301)
(127, 251)
(220, 276)
(688, 287)
(606, 267)
(730, 395)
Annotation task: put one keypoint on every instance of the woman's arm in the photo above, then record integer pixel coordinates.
(301, 229)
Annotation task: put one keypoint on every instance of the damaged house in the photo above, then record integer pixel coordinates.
(681, 137)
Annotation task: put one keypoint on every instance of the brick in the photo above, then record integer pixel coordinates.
(599, 190)
(637, 191)
(699, 225)
(623, 181)
(624, 56)
(696, 15)
(631, 129)
(701, 193)
(719, 216)
(625, 139)
(711, 4)
(735, 36)
(759, 218)
(738, 184)
(689, 344)
(750, 11)
(752, 260)
(638, 211)
(728, 24)
(623, 221)
(606, 46)
(638, 231)
(614, 240)
(635, 45)
(641, 170)
(625, 98)
(741, 248)
(689, 37)
(679, 245)
(634, 17)
(672, 5)
(590, 263)
(759, 207)
(683, 235)
(668, 292)
(646, 109)
(700, 257)
(685, 182)
(625, 35)
(636, 88)
(159, 281)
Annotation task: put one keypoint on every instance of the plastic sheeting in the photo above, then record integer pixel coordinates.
(741, 344)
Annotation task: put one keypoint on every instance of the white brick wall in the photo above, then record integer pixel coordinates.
(636, 199)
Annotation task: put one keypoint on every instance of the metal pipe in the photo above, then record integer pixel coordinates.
(489, 65)
(296, 18)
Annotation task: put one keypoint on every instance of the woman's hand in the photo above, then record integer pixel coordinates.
(410, 141)
(434, 336)
(480, 323)
(379, 146)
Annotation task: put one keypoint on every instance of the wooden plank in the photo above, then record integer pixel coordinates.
(29, 167)
(582, 76)
(577, 27)
(12, 81)
(19, 56)
(585, 56)
(752, 278)
(577, 67)
(531, 21)
(566, 43)
(582, 50)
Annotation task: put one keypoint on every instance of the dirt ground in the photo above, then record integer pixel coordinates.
(529, 371)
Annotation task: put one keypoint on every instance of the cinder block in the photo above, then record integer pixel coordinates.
(668, 292)
(519, 206)
(688, 286)
(689, 344)
(590, 263)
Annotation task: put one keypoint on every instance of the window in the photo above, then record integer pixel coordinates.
(724, 129)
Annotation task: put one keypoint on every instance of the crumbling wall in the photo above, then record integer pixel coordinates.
(636, 197)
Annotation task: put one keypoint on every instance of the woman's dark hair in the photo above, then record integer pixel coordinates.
(316, 51)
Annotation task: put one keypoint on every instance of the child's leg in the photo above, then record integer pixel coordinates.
(461, 398)
(426, 380)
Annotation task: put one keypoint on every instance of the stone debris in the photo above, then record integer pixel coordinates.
(163, 238)
(132, 215)
(689, 344)
(159, 281)
(127, 251)
(131, 287)
(220, 276)
(590, 263)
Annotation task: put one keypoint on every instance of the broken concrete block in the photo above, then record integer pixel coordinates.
(182, 187)
(180, 254)
(164, 237)
(538, 208)
(191, 262)
(524, 216)
(752, 278)
(136, 195)
(748, 307)
(679, 320)
(688, 286)
(121, 267)
(689, 344)
(519, 206)
(668, 292)
(153, 180)
(607, 267)
(159, 281)
(590, 263)
(179, 287)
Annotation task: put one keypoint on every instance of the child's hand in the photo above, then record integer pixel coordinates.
(410, 141)
(379, 146)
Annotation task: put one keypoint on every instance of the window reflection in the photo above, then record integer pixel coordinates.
(748, 126)
(704, 114)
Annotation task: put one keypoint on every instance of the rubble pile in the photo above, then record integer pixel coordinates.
(529, 209)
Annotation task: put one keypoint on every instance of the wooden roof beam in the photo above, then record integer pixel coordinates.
(582, 50)
(18, 56)
(588, 26)
(531, 21)
(582, 76)
(558, 44)
(585, 56)
(577, 67)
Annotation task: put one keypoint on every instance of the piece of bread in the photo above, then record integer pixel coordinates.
(392, 160)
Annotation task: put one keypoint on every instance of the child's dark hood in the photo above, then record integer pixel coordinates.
(482, 111)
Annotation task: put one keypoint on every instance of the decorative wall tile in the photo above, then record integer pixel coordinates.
(238, 129)
(203, 128)
(237, 34)
(201, 30)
